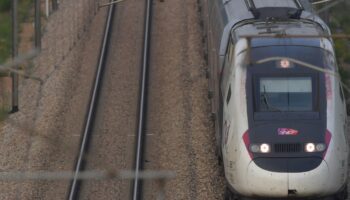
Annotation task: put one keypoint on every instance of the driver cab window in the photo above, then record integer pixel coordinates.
(286, 94)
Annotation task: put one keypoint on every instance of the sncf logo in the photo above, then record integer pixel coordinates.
(287, 131)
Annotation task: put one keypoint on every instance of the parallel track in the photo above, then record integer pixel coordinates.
(141, 135)
(142, 107)
(79, 166)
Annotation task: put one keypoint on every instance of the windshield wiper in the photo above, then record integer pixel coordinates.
(268, 106)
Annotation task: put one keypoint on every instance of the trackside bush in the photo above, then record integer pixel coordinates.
(5, 5)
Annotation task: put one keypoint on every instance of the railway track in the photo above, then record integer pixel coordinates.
(139, 151)
(136, 190)
(151, 111)
(79, 166)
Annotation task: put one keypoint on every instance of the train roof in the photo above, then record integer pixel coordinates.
(255, 17)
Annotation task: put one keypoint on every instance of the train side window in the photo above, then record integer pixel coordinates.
(228, 95)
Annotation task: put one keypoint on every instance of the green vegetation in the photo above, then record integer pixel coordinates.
(5, 5)
(3, 113)
(24, 9)
(5, 36)
(340, 19)
(340, 23)
(344, 75)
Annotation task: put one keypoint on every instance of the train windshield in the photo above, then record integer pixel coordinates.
(285, 94)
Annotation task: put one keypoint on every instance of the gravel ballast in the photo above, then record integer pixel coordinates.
(44, 134)
(180, 134)
(112, 142)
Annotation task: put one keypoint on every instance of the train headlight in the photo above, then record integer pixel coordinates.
(310, 147)
(255, 148)
(321, 147)
(264, 148)
(260, 148)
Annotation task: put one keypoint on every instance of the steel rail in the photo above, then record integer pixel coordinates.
(75, 183)
(137, 183)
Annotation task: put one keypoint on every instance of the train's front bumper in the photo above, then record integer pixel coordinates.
(263, 183)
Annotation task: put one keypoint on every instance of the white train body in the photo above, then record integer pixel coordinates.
(280, 126)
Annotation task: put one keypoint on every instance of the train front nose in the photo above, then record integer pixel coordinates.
(263, 183)
(310, 183)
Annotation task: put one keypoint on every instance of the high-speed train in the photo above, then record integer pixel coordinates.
(279, 107)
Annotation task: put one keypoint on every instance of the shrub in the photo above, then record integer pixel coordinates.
(5, 5)
(344, 75)
(340, 48)
(347, 58)
(5, 37)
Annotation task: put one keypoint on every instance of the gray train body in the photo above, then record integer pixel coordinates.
(280, 122)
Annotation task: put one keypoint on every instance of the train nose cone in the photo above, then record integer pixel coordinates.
(265, 183)
(310, 183)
